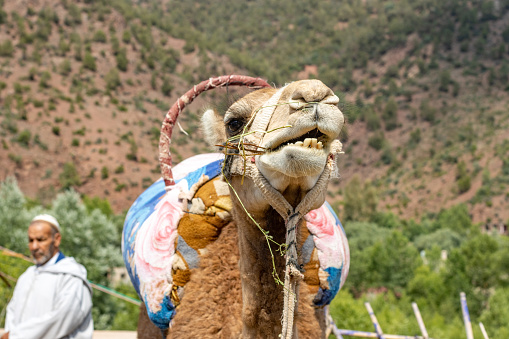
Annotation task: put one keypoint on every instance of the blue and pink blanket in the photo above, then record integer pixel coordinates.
(160, 253)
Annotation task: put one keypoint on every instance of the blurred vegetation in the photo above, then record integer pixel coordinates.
(396, 262)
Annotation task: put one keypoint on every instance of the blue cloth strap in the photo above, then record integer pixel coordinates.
(60, 257)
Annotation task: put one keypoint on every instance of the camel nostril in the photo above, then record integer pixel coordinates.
(330, 100)
(297, 96)
(315, 92)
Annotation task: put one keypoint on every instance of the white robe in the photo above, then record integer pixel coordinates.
(51, 301)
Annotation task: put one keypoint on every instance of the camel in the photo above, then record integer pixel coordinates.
(281, 147)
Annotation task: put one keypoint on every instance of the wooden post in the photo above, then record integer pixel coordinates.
(378, 329)
(419, 321)
(483, 330)
(466, 316)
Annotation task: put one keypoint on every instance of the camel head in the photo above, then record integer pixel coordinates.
(287, 133)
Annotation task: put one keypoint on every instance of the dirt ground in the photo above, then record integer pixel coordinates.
(106, 334)
(114, 335)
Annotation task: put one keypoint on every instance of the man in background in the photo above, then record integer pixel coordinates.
(53, 298)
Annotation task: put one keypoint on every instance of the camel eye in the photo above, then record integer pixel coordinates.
(234, 125)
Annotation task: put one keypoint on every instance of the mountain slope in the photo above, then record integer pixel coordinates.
(424, 83)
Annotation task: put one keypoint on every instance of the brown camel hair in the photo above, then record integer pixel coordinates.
(233, 293)
(216, 314)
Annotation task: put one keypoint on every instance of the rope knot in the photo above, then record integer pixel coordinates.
(294, 272)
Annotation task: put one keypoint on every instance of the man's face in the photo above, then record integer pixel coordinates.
(43, 241)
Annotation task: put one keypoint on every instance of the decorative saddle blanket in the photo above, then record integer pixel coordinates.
(165, 233)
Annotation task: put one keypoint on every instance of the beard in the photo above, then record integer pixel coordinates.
(42, 257)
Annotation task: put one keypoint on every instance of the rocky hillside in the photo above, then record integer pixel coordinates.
(85, 85)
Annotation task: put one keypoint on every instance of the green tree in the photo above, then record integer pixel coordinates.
(372, 119)
(395, 260)
(14, 217)
(89, 62)
(45, 78)
(24, 138)
(390, 114)
(360, 200)
(112, 79)
(455, 218)
(377, 140)
(122, 61)
(462, 177)
(350, 313)
(69, 176)
(444, 81)
(428, 113)
(473, 269)
(65, 67)
(126, 37)
(99, 36)
(167, 87)
(445, 239)
(3, 86)
(6, 49)
(495, 315)
(426, 288)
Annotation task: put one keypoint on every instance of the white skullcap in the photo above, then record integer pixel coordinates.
(49, 219)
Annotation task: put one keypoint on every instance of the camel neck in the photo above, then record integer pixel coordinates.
(262, 296)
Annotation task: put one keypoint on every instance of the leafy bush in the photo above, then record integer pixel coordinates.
(390, 114)
(14, 217)
(122, 61)
(427, 113)
(495, 315)
(377, 140)
(167, 87)
(372, 119)
(45, 78)
(16, 158)
(65, 67)
(89, 62)
(361, 200)
(387, 156)
(104, 172)
(69, 176)
(415, 138)
(24, 137)
(444, 81)
(55, 130)
(112, 79)
(462, 177)
(126, 36)
(74, 15)
(6, 49)
(153, 81)
(119, 169)
(99, 36)
(444, 238)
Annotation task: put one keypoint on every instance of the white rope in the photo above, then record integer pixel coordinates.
(263, 116)
(292, 218)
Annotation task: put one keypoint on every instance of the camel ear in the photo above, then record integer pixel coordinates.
(213, 128)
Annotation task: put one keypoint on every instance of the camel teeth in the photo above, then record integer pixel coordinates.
(309, 143)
